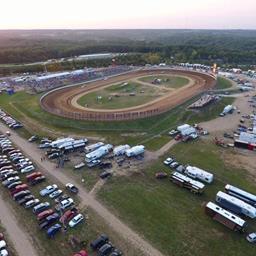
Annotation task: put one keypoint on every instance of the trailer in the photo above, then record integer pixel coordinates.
(57, 143)
(225, 217)
(135, 151)
(98, 153)
(93, 147)
(120, 150)
(72, 145)
(186, 182)
(235, 205)
(241, 194)
(197, 173)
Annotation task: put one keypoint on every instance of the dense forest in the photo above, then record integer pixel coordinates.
(226, 47)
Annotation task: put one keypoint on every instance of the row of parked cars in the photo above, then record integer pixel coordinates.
(173, 164)
(8, 120)
(3, 246)
(12, 161)
(104, 247)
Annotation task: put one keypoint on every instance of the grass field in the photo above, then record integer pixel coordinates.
(223, 83)
(174, 82)
(118, 96)
(172, 218)
(26, 108)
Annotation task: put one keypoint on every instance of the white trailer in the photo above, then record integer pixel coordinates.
(120, 150)
(183, 127)
(241, 194)
(57, 143)
(225, 217)
(197, 173)
(93, 147)
(135, 151)
(235, 205)
(98, 153)
(73, 144)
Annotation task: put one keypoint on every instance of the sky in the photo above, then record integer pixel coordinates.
(129, 14)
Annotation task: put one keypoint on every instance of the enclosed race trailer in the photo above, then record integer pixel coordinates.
(93, 147)
(186, 182)
(57, 143)
(98, 153)
(120, 150)
(197, 173)
(135, 151)
(225, 217)
(241, 194)
(235, 205)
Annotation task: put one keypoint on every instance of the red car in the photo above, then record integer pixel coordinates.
(81, 253)
(33, 175)
(19, 188)
(68, 215)
(161, 175)
(44, 214)
(178, 137)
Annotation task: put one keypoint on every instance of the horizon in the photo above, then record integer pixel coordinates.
(103, 15)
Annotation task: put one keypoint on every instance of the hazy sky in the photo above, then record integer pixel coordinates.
(29, 14)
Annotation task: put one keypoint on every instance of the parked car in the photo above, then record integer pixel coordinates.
(10, 180)
(14, 184)
(4, 252)
(173, 132)
(174, 165)
(9, 174)
(105, 174)
(76, 220)
(81, 253)
(19, 188)
(70, 187)
(68, 215)
(168, 161)
(33, 138)
(49, 220)
(51, 232)
(42, 215)
(61, 198)
(48, 190)
(2, 244)
(116, 252)
(41, 207)
(56, 193)
(105, 249)
(33, 176)
(31, 203)
(93, 163)
(27, 169)
(161, 175)
(66, 203)
(25, 199)
(105, 165)
(54, 156)
(37, 180)
(97, 243)
(251, 238)
(21, 194)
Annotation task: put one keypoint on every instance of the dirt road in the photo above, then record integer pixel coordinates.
(20, 239)
(86, 199)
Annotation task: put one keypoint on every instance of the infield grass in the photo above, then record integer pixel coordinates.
(167, 81)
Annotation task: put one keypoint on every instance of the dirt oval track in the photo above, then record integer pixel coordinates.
(60, 101)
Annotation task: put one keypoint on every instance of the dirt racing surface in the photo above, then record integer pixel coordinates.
(61, 101)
